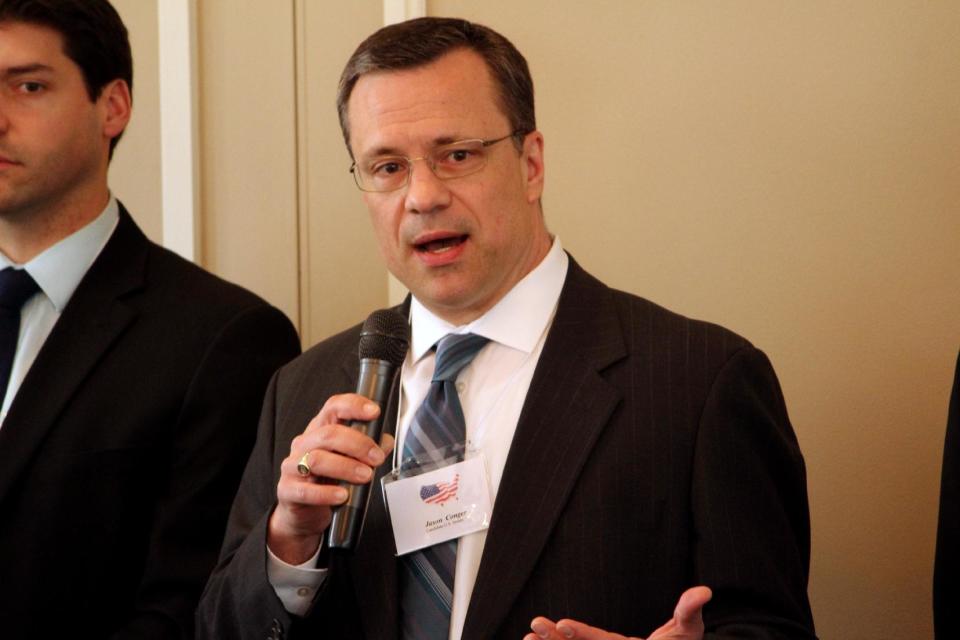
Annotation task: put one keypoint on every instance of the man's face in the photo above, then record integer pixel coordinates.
(53, 138)
(459, 245)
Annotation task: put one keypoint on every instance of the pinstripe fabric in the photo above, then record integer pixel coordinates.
(426, 576)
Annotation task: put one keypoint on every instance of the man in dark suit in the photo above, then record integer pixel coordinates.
(946, 570)
(131, 379)
(633, 455)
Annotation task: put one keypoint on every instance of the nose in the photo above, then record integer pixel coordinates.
(426, 192)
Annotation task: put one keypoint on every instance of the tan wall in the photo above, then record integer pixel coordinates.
(280, 213)
(790, 170)
(135, 169)
(248, 146)
(344, 279)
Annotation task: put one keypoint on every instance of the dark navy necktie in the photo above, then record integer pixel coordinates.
(426, 583)
(16, 286)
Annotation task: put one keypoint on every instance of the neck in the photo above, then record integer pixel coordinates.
(458, 317)
(24, 234)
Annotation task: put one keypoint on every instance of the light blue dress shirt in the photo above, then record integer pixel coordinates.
(57, 270)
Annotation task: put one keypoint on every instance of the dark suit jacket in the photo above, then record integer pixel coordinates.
(653, 453)
(124, 445)
(946, 571)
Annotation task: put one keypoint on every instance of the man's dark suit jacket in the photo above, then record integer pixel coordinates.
(123, 448)
(946, 571)
(653, 453)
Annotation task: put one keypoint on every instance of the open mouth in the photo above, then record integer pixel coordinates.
(440, 245)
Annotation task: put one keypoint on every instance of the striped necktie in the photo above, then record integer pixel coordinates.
(16, 287)
(426, 583)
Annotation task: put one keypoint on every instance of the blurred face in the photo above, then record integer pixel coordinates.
(461, 244)
(53, 139)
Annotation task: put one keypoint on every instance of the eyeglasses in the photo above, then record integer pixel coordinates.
(454, 160)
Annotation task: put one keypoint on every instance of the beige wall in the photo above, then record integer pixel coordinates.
(248, 146)
(280, 213)
(344, 279)
(790, 170)
(135, 169)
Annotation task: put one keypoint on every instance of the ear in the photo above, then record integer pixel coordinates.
(116, 105)
(532, 160)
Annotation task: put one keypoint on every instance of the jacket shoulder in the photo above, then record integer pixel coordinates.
(645, 327)
(642, 320)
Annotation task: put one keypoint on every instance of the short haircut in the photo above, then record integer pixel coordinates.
(418, 42)
(94, 37)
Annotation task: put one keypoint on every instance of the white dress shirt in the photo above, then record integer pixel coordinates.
(492, 390)
(57, 271)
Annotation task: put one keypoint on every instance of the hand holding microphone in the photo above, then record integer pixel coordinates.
(341, 443)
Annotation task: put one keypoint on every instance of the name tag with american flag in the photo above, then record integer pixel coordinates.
(438, 505)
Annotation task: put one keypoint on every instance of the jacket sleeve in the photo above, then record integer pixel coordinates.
(750, 508)
(239, 601)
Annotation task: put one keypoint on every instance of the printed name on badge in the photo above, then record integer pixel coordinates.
(439, 505)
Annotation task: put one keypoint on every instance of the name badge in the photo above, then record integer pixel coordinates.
(438, 505)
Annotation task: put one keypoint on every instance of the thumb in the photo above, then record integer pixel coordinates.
(689, 612)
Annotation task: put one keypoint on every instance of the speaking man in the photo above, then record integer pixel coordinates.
(130, 379)
(637, 461)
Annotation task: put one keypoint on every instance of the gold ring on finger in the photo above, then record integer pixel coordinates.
(303, 467)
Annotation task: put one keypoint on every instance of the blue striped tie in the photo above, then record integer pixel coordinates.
(426, 583)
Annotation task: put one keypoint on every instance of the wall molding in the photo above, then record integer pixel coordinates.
(395, 11)
(179, 144)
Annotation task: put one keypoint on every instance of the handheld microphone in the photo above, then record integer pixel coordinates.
(383, 346)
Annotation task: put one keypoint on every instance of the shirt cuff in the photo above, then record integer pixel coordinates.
(295, 585)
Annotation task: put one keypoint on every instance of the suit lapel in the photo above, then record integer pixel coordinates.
(566, 408)
(92, 320)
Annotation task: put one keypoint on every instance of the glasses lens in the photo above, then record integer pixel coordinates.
(459, 159)
(382, 174)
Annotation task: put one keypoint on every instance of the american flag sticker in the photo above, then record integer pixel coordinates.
(440, 492)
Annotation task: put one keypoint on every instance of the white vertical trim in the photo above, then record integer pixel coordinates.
(179, 175)
(395, 11)
(301, 82)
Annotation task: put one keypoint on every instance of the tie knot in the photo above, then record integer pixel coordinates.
(16, 285)
(454, 352)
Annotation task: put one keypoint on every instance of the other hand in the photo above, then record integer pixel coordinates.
(333, 452)
(686, 624)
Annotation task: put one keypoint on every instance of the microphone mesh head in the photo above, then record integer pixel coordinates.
(385, 337)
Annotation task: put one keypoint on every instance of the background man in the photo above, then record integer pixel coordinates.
(946, 568)
(633, 453)
(131, 378)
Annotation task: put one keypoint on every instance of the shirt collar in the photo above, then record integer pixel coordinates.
(59, 268)
(517, 320)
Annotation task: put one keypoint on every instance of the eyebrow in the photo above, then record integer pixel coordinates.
(393, 151)
(24, 69)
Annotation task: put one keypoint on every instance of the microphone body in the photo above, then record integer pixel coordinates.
(383, 346)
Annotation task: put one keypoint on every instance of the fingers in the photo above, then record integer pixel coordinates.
(329, 445)
(347, 458)
(327, 431)
(329, 451)
(344, 408)
(545, 629)
(686, 624)
(687, 620)
(689, 611)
